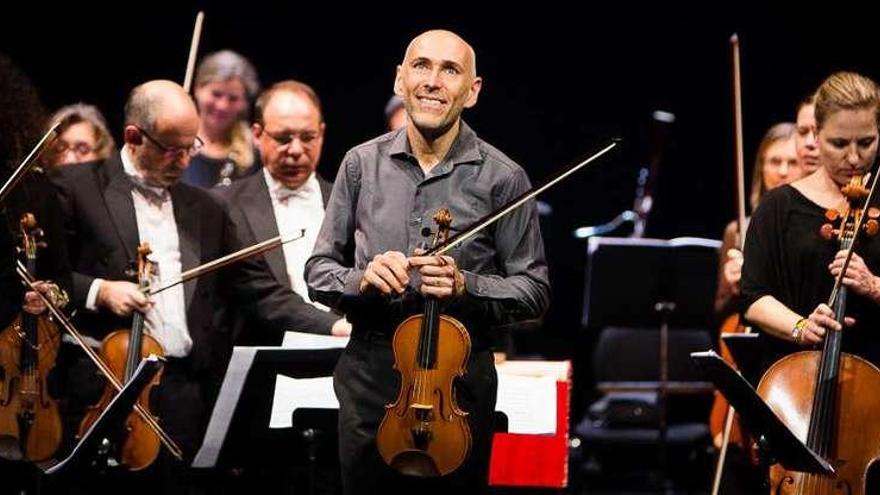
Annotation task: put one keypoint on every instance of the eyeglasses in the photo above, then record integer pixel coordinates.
(175, 151)
(307, 138)
(80, 149)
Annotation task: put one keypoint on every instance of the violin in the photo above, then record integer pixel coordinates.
(30, 425)
(424, 433)
(828, 397)
(122, 351)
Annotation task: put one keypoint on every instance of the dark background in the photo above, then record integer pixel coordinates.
(559, 81)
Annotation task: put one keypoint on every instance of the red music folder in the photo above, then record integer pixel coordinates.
(534, 459)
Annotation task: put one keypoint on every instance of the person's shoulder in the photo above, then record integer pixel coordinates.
(497, 158)
(76, 170)
(204, 198)
(779, 196)
(377, 144)
(775, 205)
(79, 175)
(238, 188)
(731, 229)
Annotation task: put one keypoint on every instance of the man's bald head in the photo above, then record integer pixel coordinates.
(437, 80)
(445, 39)
(160, 102)
(161, 130)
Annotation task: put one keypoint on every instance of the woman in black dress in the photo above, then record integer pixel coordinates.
(789, 268)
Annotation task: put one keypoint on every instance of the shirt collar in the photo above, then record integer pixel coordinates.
(465, 148)
(282, 193)
(137, 178)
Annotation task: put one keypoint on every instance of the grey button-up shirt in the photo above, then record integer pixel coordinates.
(382, 201)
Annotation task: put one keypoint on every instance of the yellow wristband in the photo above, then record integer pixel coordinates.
(797, 333)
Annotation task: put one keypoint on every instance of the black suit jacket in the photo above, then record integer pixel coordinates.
(251, 211)
(102, 235)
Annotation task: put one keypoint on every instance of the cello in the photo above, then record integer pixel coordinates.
(828, 397)
(122, 351)
(30, 424)
(424, 433)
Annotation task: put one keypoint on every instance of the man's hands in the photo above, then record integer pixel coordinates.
(341, 328)
(732, 270)
(122, 298)
(388, 273)
(32, 302)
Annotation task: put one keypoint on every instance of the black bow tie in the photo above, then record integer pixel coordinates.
(155, 195)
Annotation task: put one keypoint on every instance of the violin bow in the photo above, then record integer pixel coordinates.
(514, 204)
(739, 160)
(214, 265)
(29, 161)
(193, 50)
(739, 172)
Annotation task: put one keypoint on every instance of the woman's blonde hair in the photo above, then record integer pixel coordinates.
(779, 132)
(845, 91)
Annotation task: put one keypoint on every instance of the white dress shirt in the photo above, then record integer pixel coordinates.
(297, 209)
(166, 320)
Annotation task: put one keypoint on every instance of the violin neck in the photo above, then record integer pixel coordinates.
(135, 341)
(29, 329)
(427, 353)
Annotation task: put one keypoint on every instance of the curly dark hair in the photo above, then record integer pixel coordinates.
(23, 115)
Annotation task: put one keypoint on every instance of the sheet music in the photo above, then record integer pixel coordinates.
(293, 393)
(529, 403)
(301, 340)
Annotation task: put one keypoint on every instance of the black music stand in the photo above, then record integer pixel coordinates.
(90, 450)
(238, 433)
(625, 278)
(778, 442)
(649, 284)
(746, 352)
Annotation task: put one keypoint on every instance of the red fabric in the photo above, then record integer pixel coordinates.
(534, 460)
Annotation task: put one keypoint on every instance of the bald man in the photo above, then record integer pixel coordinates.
(365, 261)
(136, 196)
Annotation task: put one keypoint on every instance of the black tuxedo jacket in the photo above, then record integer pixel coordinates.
(102, 235)
(251, 211)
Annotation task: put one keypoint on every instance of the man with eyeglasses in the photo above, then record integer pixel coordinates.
(288, 196)
(136, 196)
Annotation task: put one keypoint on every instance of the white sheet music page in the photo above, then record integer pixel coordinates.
(301, 340)
(293, 393)
(527, 394)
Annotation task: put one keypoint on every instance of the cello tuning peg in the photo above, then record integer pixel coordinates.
(832, 215)
(827, 231)
(872, 227)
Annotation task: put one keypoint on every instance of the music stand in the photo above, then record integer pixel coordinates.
(778, 440)
(87, 450)
(628, 281)
(626, 277)
(744, 347)
(238, 433)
